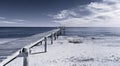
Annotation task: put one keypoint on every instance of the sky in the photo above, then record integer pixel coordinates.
(71, 13)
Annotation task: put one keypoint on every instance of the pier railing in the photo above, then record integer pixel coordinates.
(25, 51)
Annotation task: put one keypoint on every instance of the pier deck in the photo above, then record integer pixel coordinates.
(11, 50)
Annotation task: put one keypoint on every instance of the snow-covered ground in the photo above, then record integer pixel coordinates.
(91, 52)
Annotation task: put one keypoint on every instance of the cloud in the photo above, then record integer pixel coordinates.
(95, 14)
(7, 22)
(12, 21)
(1, 18)
(64, 14)
(79, 11)
(19, 20)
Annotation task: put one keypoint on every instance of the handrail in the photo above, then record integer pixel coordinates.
(25, 50)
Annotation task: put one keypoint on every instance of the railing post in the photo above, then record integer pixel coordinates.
(51, 38)
(45, 39)
(57, 34)
(62, 30)
(54, 36)
(25, 53)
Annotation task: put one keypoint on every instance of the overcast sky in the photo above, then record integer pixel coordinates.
(80, 13)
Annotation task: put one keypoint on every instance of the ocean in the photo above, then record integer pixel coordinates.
(93, 31)
(8, 34)
(97, 35)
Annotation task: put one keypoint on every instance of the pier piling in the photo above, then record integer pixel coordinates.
(25, 53)
(45, 39)
(51, 38)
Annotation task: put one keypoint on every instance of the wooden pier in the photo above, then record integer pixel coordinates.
(21, 47)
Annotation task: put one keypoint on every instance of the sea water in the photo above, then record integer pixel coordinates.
(8, 34)
(98, 35)
(92, 31)
(103, 34)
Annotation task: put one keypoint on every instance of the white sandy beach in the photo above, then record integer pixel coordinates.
(63, 53)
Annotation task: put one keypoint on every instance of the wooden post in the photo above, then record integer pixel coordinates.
(51, 38)
(54, 36)
(57, 35)
(25, 53)
(30, 51)
(60, 31)
(45, 39)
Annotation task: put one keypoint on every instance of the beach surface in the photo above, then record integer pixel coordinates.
(89, 52)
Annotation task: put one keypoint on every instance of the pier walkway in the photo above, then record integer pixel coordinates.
(21, 47)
